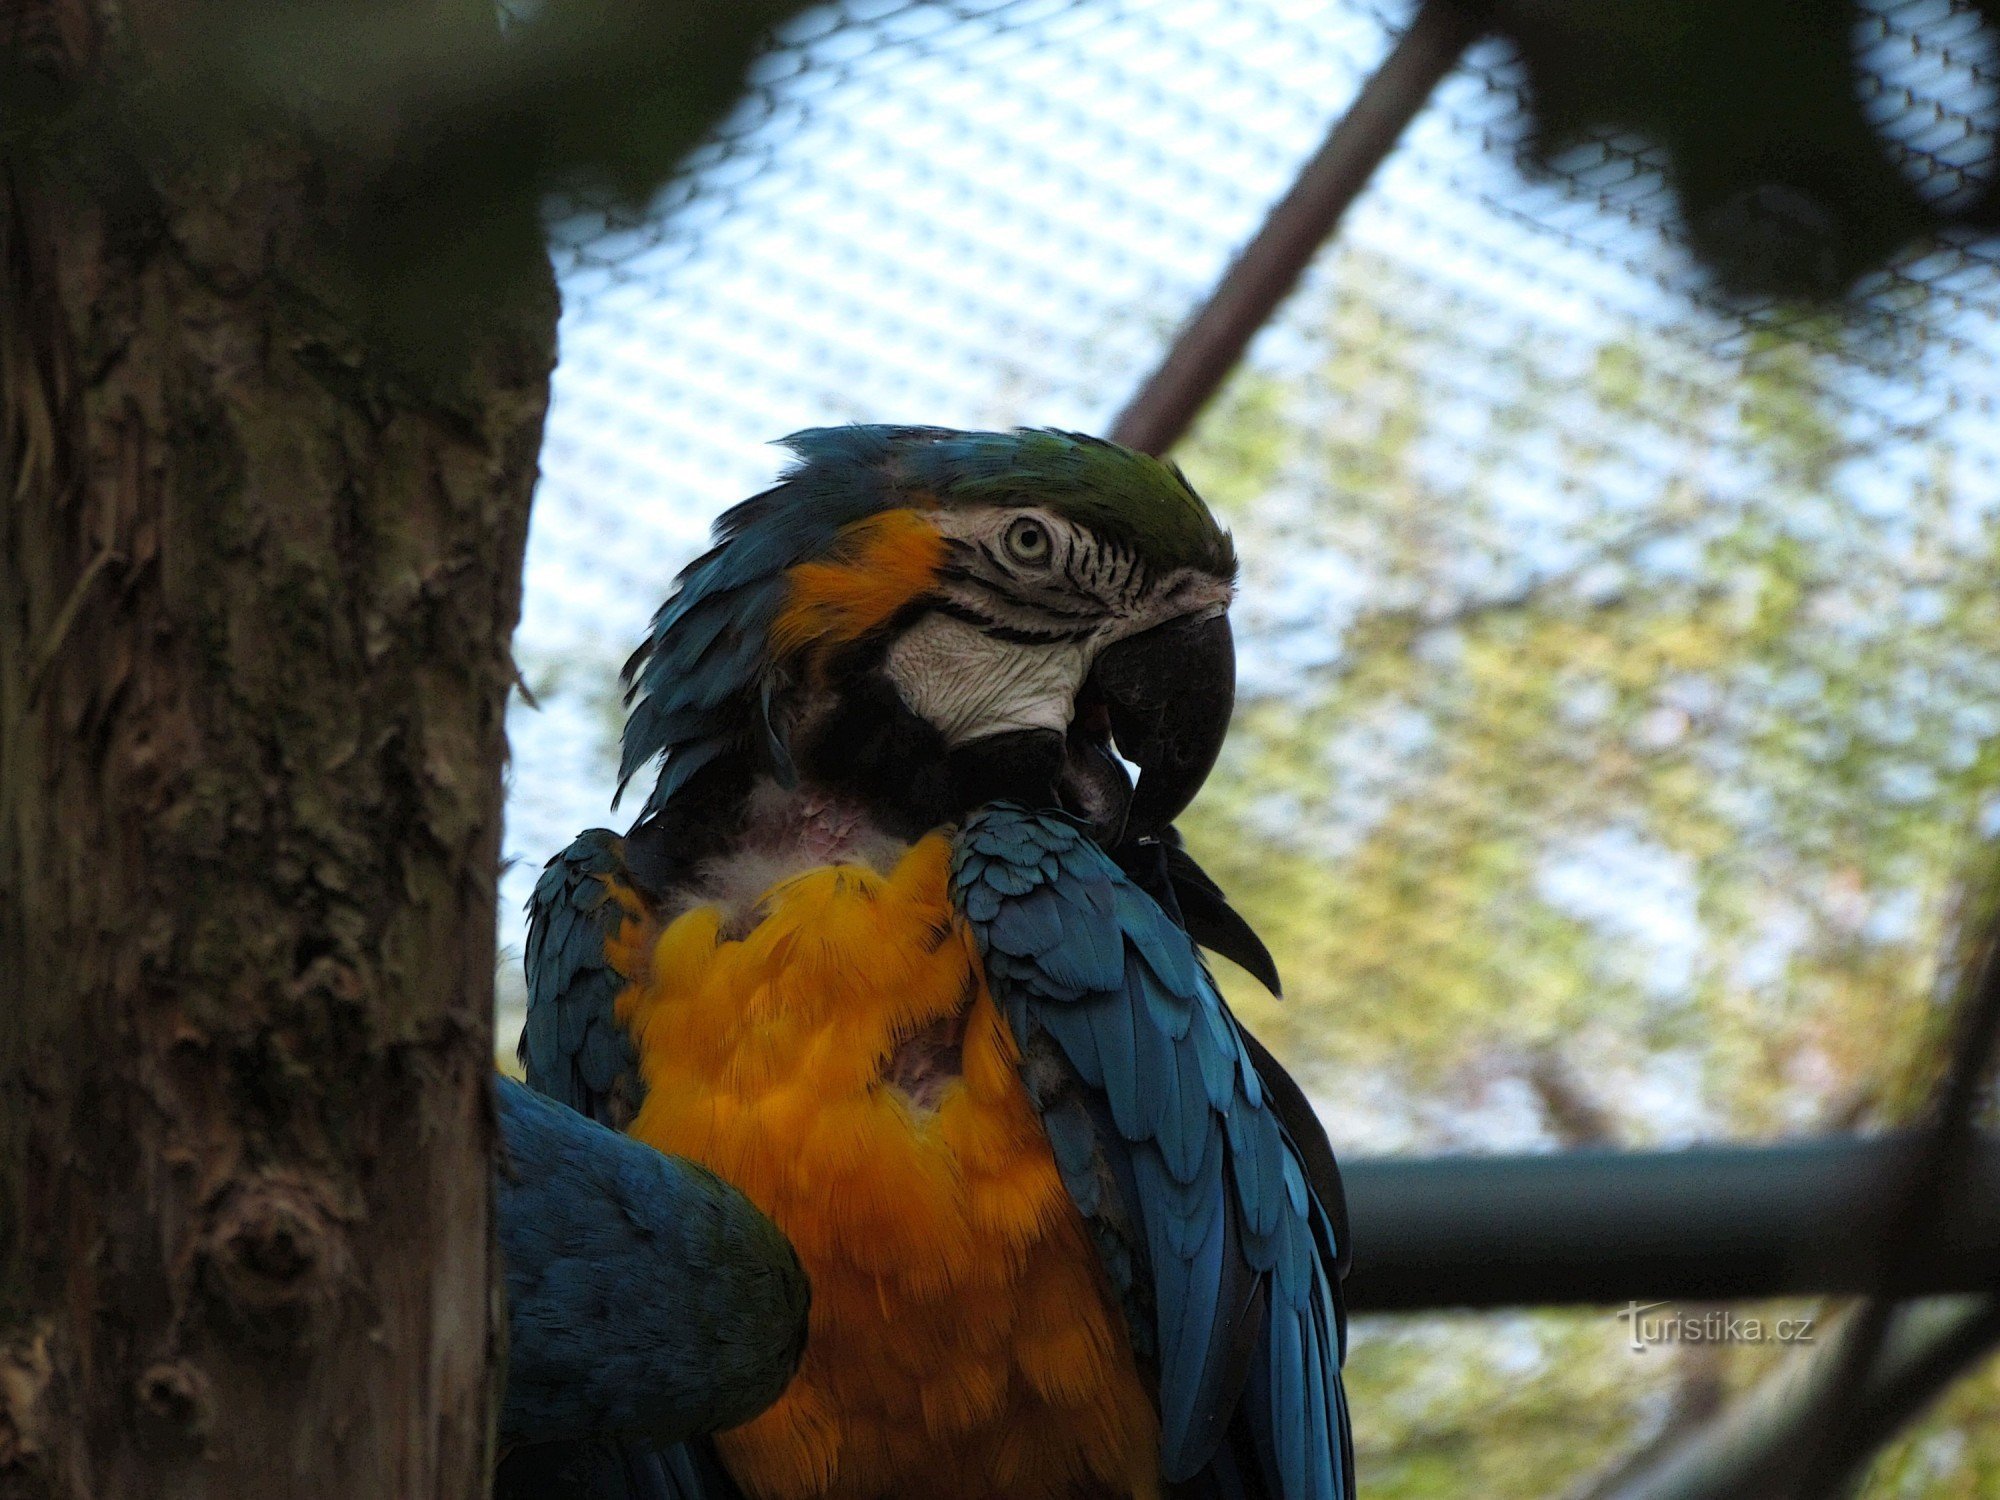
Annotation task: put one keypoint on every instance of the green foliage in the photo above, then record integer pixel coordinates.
(1635, 729)
(1951, 1455)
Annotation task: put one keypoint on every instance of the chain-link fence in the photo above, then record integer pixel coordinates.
(1620, 694)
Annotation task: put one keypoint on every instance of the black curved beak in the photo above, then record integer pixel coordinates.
(1169, 693)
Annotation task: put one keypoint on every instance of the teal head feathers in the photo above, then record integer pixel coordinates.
(926, 620)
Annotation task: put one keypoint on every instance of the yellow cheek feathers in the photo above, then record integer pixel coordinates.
(877, 567)
(962, 1338)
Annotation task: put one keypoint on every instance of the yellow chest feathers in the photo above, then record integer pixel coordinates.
(844, 1065)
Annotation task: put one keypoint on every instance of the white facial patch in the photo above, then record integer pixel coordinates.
(969, 684)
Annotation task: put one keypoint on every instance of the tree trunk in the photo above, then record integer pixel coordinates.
(256, 594)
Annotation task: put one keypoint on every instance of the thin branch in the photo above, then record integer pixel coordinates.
(1751, 1453)
(1811, 1431)
(1923, 1201)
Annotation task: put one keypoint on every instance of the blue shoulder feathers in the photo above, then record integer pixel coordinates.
(572, 1047)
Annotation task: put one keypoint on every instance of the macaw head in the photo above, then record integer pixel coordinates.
(927, 620)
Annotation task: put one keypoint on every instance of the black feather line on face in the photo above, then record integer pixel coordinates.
(953, 573)
(1016, 634)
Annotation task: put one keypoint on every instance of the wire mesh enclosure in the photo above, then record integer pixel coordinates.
(1620, 700)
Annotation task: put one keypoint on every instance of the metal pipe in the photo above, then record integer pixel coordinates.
(1209, 345)
(1707, 1224)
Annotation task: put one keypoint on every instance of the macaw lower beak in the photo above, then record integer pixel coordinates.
(1167, 694)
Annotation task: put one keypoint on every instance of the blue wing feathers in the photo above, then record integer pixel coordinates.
(1253, 1082)
(1181, 1113)
(1217, 1059)
(1170, 1013)
(1074, 1144)
(1319, 1419)
(1235, 1248)
(1009, 881)
(645, 1297)
(1254, 1154)
(1288, 1357)
(572, 1047)
(1036, 923)
(1295, 1184)
(1072, 1032)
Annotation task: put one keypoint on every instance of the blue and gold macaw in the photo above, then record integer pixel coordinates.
(899, 949)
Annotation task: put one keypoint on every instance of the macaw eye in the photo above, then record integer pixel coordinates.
(1028, 541)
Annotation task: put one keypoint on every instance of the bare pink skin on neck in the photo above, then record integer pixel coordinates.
(813, 825)
(786, 831)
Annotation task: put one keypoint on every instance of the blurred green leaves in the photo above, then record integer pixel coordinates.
(1636, 735)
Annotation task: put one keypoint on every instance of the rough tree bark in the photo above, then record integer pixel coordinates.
(256, 593)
